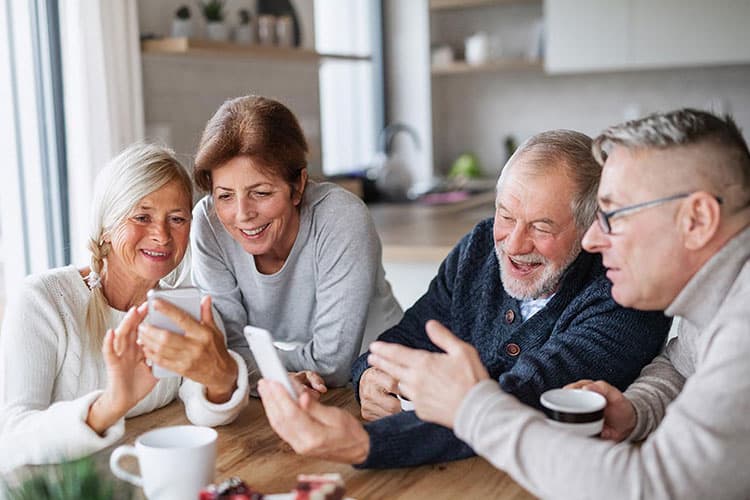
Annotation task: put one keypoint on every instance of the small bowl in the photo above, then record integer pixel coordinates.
(576, 410)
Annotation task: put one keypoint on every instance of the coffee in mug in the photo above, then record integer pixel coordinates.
(174, 462)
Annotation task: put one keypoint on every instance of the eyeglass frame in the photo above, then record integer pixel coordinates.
(603, 217)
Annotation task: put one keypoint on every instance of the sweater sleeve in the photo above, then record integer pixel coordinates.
(651, 393)
(210, 273)
(200, 411)
(403, 440)
(699, 450)
(33, 428)
(601, 341)
(347, 256)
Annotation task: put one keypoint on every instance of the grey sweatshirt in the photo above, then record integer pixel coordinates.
(699, 446)
(330, 294)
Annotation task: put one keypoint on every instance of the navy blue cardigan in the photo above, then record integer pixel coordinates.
(580, 333)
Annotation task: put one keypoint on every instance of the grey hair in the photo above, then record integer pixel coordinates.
(685, 127)
(571, 151)
(136, 172)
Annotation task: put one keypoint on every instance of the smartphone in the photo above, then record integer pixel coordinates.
(267, 358)
(188, 299)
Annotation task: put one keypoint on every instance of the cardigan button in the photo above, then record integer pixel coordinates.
(512, 349)
(510, 316)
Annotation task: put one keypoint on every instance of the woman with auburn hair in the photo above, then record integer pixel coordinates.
(73, 347)
(299, 258)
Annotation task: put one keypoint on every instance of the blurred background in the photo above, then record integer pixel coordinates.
(413, 104)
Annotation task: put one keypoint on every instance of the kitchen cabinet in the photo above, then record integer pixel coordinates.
(590, 35)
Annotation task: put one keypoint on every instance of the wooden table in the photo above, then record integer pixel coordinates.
(248, 448)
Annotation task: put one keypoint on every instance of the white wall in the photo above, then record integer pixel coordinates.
(182, 93)
(476, 111)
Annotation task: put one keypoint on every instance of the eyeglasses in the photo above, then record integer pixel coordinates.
(604, 217)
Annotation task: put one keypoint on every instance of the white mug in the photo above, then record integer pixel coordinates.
(575, 410)
(477, 48)
(175, 462)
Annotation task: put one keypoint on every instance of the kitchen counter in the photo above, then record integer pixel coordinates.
(418, 232)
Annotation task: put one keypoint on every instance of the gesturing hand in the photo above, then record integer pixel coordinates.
(376, 394)
(619, 414)
(435, 382)
(200, 355)
(129, 379)
(313, 429)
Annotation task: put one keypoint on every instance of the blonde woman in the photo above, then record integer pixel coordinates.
(73, 347)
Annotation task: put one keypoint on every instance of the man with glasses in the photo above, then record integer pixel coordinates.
(674, 232)
(520, 290)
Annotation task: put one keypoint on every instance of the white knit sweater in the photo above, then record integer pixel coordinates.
(49, 378)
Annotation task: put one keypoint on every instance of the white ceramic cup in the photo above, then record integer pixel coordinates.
(575, 410)
(267, 29)
(175, 462)
(477, 48)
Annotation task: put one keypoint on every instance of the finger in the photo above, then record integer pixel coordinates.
(579, 384)
(442, 337)
(394, 353)
(393, 368)
(108, 349)
(384, 382)
(207, 313)
(128, 323)
(609, 392)
(180, 317)
(282, 412)
(316, 381)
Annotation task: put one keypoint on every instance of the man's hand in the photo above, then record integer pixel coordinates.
(313, 429)
(376, 394)
(435, 382)
(619, 414)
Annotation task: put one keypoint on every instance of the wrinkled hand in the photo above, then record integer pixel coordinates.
(313, 429)
(619, 414)
(200, 355)
(129, 379)
(435, 382)
(308, 381)
(376, 394)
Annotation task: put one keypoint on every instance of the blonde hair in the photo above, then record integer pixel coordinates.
(136, 172)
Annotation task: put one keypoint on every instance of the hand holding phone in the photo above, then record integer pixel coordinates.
(188, 299)
(267, 358)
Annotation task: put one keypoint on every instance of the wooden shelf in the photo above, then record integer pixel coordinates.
(461, 67)
(462, 4)
(198, 47)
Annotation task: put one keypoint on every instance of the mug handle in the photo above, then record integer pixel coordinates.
(114, 464)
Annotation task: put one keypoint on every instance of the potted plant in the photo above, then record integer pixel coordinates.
(244, 33)
(182, 24)
(213, 11)
(76, 479)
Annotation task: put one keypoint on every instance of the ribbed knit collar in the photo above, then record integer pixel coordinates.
(701, 297)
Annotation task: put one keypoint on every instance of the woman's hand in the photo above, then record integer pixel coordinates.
(200, 355)
(129, 379)
(308, 381)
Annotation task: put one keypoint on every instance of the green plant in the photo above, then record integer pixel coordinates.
(183, 12)
(213, 10)
(244, 16)
(68, 481)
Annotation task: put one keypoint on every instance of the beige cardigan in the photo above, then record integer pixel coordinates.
(698, 448)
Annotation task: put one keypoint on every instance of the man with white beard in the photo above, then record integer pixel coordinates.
(544, 320)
